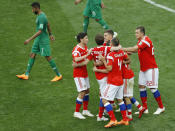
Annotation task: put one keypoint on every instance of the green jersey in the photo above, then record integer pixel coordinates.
(93, 3)
(41, 24)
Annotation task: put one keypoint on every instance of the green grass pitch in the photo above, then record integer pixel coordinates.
(38, 104)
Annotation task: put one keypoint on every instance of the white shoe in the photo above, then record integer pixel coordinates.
(79, 115)
(102, 119)
(145, 112)
(115, 34)
(87, 113)
(159, 110)
(118, 110)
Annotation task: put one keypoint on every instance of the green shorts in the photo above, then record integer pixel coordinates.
(94, 12)
(42, 49)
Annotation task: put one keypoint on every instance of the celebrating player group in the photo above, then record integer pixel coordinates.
(115, 76)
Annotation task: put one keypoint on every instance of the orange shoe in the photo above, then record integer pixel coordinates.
(57, 78)
(111, 123)
(23, 76)
(122, 122)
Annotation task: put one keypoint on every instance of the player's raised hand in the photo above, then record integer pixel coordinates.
(52, 38)
(26, 42)
(77, 2)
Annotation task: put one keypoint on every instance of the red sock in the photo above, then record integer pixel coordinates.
(129, 113)
(124, 115)
(111, 115)
(144, 102)
(78, 106)
(101, 110)
(111, 102)
(85, 105)
(159, 101)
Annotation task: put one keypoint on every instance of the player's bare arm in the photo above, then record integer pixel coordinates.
(33, 37)
(98, 63)
(100, 70)
(77, 59)
(103, 5)
(116, 48)
(77, 2)
(74, 64)
(108, 67)
(133, 49)
(50, 32)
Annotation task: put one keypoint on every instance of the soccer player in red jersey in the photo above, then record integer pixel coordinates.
(79, 54)
(128, 78)
(149, 73)
(114, 88)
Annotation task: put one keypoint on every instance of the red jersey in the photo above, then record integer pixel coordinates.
(127, 71)
(79, 71)
(146, 54)
(100, 50)
(115, 59)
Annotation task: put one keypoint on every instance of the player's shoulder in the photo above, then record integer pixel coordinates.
(146, 40)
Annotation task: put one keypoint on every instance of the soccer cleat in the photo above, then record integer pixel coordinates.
(145, 112)
(159, 110)
(141, 112)
(23, 76)
(111, 124)
(79, 115)
(124, 122)
(57, 78)
(102, 119)
(87, 113)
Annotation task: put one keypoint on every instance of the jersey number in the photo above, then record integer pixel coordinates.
(120, 64)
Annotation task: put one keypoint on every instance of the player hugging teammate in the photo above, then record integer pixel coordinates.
(115, 76)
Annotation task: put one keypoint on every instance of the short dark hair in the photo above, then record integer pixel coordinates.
(109, 32)
(115, 41)
(81, 35)
(99, 39)
(141, 28)
(36, 5)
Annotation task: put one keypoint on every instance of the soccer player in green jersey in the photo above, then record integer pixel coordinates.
(93, 10)
(41, 43)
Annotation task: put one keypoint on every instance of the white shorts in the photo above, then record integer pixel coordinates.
(128, 87)
(82, 83)
(111, 92)
(149, 78)
(102, 84)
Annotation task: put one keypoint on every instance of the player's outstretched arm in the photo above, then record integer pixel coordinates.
(99, 63)
(116, 48)
(133, 49)
(77, 2)
(50, 32)
(33, 37)
(100, 70)
(80, 64)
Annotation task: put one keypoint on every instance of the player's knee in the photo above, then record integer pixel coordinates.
(104, 101)
(32, 55)
(153, 90)
(87, 91)
(48, 58)
(119, 100)
(141, 86)
(85, 16)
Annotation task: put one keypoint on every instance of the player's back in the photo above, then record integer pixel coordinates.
(115, 59)
(146, 54)
(78, 52)
(99, 50)
(93, 3)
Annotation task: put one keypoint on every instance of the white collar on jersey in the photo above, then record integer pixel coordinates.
(80, 47)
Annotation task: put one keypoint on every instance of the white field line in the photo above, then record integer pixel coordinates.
(160, 6)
